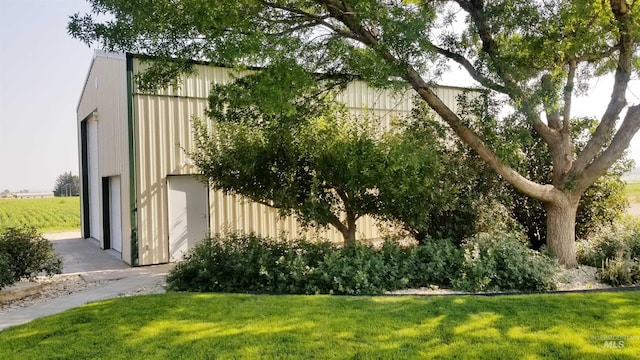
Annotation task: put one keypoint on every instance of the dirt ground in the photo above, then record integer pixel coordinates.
(634, 209)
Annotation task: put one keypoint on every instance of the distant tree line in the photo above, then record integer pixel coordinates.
(67, 184)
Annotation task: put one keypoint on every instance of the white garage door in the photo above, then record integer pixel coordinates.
(188, 214)
(94, 179)
(115, 213)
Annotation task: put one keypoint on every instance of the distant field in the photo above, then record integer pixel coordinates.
(633, 191)
(52, 214)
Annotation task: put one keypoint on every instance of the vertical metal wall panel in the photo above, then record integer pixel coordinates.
(105, 93)
(165, 132)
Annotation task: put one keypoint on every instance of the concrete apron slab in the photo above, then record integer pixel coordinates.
(85, 258)
(83, 255)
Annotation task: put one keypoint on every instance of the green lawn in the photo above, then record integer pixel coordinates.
(224, 326)
(52, 214)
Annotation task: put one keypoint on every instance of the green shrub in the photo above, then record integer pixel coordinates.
(437, 262)
(615, 249)
(241, 263)
(6, 278)
(502, 261)
(361, 269)
(609, 242)
(26, 254)
(598, 248)
(250, 263)
(620, 271)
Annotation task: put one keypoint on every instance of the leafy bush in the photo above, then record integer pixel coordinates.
(250, 263)
(241, 263)
(437, 262)
(620, 271)
(5, 275)
(354, 269)
(502, 261)
(615, 249)
(609, 242)
(26, 253)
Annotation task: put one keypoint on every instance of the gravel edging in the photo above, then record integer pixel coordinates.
(578, 280)
(49, 288)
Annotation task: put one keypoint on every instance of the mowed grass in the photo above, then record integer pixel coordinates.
(233, 326)
(51, 214)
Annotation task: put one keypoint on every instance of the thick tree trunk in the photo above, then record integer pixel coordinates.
(350, 236)
(347, 230)
(561, 231)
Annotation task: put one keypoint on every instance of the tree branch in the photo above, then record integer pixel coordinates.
(597, 56)
(475, 9)
(545, 193)
(547, 133)
(605, 129)
(568, 91)
(619, 144)
(342, 228)
(489, 45)
(475, 74)
(320, 20)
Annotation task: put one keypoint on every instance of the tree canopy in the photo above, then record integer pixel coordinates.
(534, 54)
(323, 168)
(67, 184)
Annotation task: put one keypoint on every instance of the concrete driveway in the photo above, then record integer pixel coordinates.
(83, 255)
(85, 258)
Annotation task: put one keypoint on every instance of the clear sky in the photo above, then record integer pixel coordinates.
(42, 72)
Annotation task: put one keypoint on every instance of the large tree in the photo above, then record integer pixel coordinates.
(535, 53)
(67, 184)
(321, 166)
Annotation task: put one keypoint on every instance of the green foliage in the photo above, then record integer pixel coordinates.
(67, 184)
(503, 261)
(615, 249)
(241, 263)
(356, 269)
(317, 163)
(50, 214)
(441, 189)
(26, 253)
(436, 262)
(536, 55)
(603, 203)
(250, 263)
(431, 187)
(620, 271)
(621, 239)
(6, 277)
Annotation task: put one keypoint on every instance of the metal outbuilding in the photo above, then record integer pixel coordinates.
(140, 194)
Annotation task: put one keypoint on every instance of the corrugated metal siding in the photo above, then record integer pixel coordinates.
(165, 130)
(105, 92)
(232, 212)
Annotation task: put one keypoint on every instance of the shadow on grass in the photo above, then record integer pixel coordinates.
(200, 326)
